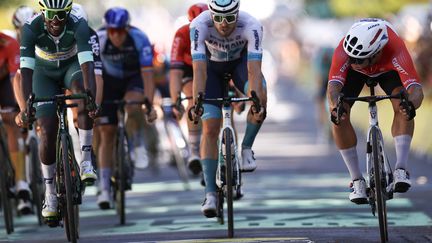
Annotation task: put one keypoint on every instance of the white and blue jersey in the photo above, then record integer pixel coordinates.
(207, 43)
(127, 61)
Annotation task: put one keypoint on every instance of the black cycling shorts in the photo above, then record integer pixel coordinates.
(355, 81)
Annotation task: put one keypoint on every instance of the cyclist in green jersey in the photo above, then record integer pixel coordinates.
(56, 54)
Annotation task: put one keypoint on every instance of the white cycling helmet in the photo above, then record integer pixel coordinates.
(78, 11)
(223, 6)
(21, 15)
(365, 38)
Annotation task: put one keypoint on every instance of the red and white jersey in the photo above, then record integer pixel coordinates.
(180, 50)
(9, 56)
(394, 56)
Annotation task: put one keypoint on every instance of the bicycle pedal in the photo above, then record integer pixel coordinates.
(89, 182)
(51, 221)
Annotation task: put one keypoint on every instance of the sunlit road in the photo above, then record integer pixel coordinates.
(299, 193)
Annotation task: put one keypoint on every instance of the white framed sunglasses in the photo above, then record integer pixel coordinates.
(229, 18)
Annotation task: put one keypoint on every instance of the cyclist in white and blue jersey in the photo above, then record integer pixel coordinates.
(225, 40)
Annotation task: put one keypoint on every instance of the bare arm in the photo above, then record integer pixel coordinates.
(255, 78)
(333, 91)
(99, 89)
(17, 88)
(199, 77)
(148, 82)
(89, 77)
(175, 83)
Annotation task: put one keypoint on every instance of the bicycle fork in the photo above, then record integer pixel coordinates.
(227, 126)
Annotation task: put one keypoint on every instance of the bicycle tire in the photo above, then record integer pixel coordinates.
(379, 190)
(69, 212)
(5, 197)
(171, 127)
(219, 206)
(228, 137)
(36, 182)
(121, 179)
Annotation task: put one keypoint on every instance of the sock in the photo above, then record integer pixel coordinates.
(209, 167)
(351, 160)
(48, 172)
(250, 134)
(402, 146)
(85, 138)
(194, 141)
(105, 178)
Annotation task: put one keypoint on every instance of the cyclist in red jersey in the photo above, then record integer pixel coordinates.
(373, 50)
(181, 79)
(9, 64)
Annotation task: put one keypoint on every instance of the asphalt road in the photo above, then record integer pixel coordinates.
(299, 193)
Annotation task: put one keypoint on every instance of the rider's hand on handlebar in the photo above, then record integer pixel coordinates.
(178, 111)
(195, 113)
(407, 109)
(259, 113)
(151, 115)
(339, 113)
(22, 119)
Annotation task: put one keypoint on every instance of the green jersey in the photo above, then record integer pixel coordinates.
(39, 48)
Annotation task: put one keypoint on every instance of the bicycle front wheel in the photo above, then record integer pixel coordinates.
(36, 182)
(121, 176)
(380, 188)
(177, 139)
(69, 213)
(5, 180)
(228, 140)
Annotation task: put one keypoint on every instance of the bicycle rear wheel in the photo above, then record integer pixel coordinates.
(228, 138)
(69, 212)
(176, 137)
(380, 188)
(5, 181)
(121, 176)
(36, 182)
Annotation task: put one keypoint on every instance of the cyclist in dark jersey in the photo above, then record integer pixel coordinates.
(56, 55)
(128, 74)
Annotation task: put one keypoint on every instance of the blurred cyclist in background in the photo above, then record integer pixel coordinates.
(373, 50)
(128, 74)
(181, 76)
(9, 70)
(322, 63)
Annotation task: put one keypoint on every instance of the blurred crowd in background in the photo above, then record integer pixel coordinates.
(295, 30)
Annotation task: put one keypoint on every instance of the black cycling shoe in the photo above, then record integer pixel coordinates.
(194, 166)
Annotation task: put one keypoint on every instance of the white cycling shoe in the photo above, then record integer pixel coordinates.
(88, 175)
(49, 208)
(401, 180)
(104, 200)
(209, 205)
(358, 191)
(248, 160)
(140, 157)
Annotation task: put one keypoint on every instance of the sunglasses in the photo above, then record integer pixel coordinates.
(117, 31)
(231, 18)
(61, 14)
(358, 61)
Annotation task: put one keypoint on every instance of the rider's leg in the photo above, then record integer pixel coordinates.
(105, 161)
(47, 152)
(209, 162)
(85, 133)
(194, 131)
(134, 126)
(252, 128)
